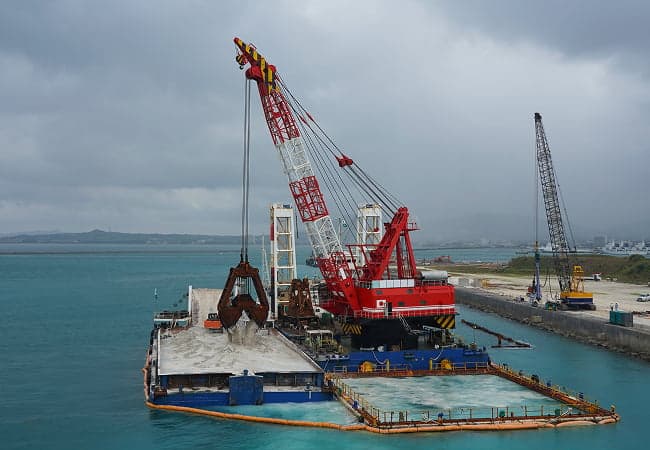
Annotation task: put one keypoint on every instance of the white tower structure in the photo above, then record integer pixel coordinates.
(370, 228)
(283, 255)
(266, 270)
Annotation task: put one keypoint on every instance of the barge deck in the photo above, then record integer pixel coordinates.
(194, 365)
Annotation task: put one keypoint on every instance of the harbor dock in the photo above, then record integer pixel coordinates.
(585, 326)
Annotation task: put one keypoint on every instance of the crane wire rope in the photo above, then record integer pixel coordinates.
(246, 172)
(324, 168)
(390, 200)
(382, 194)
(568, 223)
(323, 164)
(536, 190)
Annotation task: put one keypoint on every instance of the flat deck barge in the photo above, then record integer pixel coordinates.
(192, 365)
(191, 368)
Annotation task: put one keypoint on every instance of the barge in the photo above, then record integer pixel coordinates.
(191, 365)
(190, 362)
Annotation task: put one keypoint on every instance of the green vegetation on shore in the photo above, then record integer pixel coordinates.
(633, 269)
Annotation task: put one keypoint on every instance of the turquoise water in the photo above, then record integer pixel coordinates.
(333, 412)
(74, 335)
(500, 255)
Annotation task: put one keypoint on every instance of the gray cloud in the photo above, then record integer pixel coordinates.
(584, 29)
(130, 114)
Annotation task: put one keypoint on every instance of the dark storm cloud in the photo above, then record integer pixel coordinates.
(107, 99)
(588, 29)
(130, 114)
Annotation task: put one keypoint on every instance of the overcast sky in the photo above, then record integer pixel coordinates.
(128, 115)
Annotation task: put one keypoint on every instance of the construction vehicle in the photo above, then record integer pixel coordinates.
(372, 282)
(570, 276)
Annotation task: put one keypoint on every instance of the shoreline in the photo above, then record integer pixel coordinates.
(632, 341)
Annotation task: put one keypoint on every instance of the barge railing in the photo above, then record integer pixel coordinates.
(405, 370)
(573, 409)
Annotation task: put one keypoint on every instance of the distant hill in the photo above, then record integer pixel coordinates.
(631, 269)
(109, 237)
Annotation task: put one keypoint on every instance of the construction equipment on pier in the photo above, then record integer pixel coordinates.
(572, 293)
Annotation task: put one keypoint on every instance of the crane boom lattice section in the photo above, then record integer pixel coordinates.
(304, 186)
(548, 183)
(308, 197)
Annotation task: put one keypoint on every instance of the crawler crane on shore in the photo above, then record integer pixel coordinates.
(572, 293)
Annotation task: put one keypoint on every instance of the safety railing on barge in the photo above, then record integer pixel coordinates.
(433, 310)
(455, 419)
(570, 409)
(567, 396)
(397, 283)
(405, 370)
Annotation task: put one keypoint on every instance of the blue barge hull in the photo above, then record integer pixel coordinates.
(358, 361)
(203, 399)
(455, 357)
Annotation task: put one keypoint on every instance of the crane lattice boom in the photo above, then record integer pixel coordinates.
(291, 148)
(548, 183)
(571, 282)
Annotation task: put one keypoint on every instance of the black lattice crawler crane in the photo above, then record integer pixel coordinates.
(571, 282)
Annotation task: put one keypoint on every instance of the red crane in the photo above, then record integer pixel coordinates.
(375, 286)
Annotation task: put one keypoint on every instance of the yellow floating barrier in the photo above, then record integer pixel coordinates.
(495, 426)
(606, 421)
(574, 423)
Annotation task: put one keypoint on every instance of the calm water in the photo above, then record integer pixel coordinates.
(74, 336)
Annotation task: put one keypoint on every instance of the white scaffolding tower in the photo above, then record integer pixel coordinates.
(283, 254)
(370, 228)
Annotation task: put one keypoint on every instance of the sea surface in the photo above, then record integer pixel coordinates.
(76, 322)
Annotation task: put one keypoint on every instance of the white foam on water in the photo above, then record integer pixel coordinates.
(446, 392)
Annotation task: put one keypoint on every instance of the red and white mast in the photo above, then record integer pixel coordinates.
(291, 148)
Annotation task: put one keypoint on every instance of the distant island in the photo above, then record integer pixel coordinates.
(111, 237)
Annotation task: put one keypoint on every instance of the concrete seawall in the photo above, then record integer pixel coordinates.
(633, 341)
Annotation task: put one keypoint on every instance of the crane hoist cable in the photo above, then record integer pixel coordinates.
(246, 171)
(244, 279)
(536, 190)
(300, 110)
(328, 173)
(360, 178)
(566, 216)
(340, 152)
(339, 190)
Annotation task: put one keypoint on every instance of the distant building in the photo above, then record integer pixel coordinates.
(600, 241)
